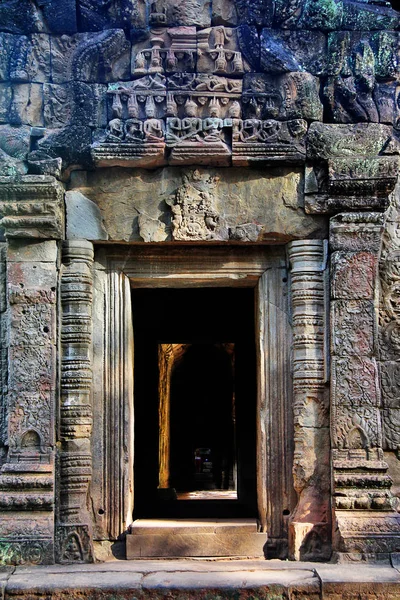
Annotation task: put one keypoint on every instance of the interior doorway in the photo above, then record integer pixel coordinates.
(195, 403)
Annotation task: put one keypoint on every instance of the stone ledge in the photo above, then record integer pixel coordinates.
(204, 579)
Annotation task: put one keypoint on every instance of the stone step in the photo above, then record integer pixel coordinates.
(169, 538)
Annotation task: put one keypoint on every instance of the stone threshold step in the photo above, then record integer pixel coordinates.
(168, 538)
(158, 526)
(199, 580)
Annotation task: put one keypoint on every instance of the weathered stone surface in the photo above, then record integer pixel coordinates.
(20, 17)
(289, 96)
(326, 141)
(181, 12)
(353, 327)
(39, 251)
(353, 275)
(285, 51)
(24, 217)
(70, 143)
(27, 104)
(83, 218)
(95, 16)
(200, 544)
(122, 198)
(357, 232)
(259, 12)
(14, 147)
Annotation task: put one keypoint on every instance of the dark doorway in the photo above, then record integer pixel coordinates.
(202, 422)
(212, 402)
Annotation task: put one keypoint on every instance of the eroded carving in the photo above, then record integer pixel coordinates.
(194, 216)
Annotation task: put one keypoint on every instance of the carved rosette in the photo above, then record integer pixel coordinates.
(360, 474)
(310, 523)
(75, 459)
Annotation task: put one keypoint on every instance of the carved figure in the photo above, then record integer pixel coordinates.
(115, 130)
(213, 124)
(133, 129)
(153, 130)
(73, 549)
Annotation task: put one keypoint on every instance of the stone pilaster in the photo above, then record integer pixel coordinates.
(310, 523)
(365, 525)
(74, 543)
(27, 476)
(32, 220)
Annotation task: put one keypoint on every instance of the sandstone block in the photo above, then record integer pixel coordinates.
(83, 218)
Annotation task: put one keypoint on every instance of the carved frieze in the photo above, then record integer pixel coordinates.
(255, 140)
(360, 474)
(353, 275)
(364, 535)
(179, 12)
(355, 232)
(73, 544)
(165, 50)
(219, 52)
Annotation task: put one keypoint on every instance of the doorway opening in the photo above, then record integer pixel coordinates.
(197, 421)
(195, 403)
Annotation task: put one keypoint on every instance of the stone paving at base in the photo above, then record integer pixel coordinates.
(203, 580)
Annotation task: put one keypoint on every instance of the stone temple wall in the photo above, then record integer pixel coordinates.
(227, 123)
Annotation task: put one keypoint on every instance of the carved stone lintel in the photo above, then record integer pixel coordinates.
(32, 207)
(309, 528)
(76, 411)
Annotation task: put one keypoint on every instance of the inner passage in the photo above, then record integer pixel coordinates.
(202, 453)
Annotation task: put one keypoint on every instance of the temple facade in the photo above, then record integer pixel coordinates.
(199, 278)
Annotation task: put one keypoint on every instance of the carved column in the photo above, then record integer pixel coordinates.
(365, 525)
(309, 530)
(33, 220)
(74, 542)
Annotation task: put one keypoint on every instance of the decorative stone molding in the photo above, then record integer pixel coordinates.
(360, 476)
(75, 458)
(32, 207)
(309, 527)
(355, 167)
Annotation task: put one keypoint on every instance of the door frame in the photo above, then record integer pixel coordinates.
(117, 269)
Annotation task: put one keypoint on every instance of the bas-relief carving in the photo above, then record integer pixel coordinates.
(360, 474)
(362, 84)
(193, 215)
